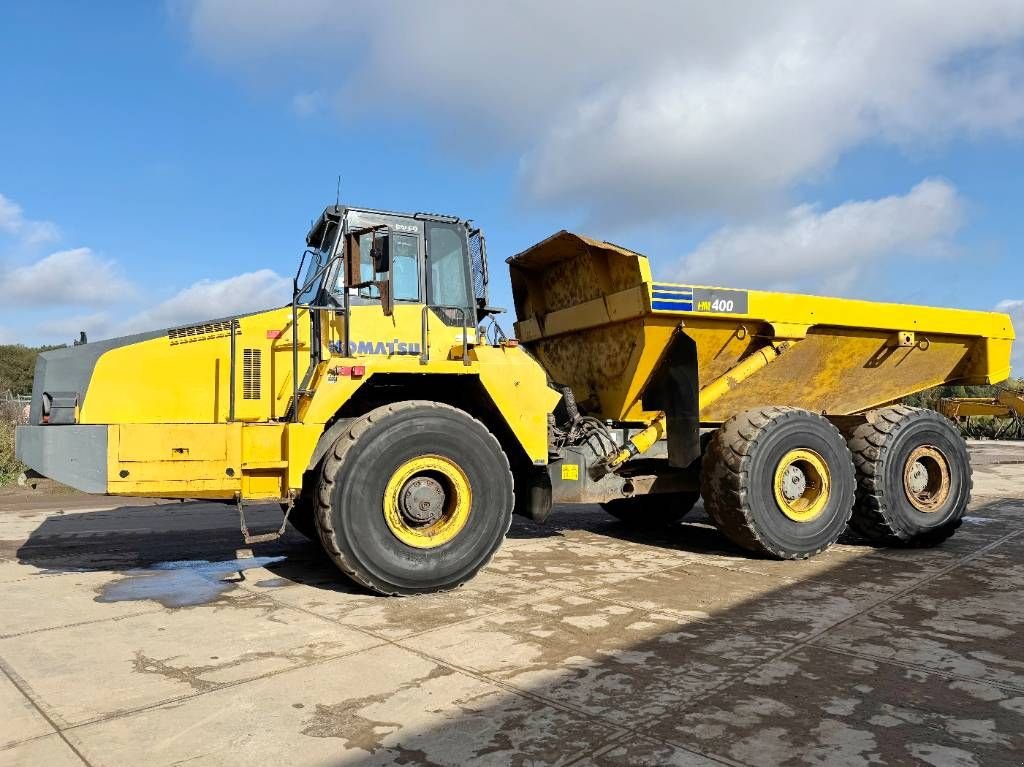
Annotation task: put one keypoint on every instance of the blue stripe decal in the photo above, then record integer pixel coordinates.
(673, 306)
(687, 294)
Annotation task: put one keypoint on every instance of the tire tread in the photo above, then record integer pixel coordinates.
(870, 442)
(725, 482)
(333, 464)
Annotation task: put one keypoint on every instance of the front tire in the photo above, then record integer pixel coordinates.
(414, 497)
(913, 477)
(779, 481)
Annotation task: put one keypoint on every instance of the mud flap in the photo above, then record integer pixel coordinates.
(674, 389)
(533, 494)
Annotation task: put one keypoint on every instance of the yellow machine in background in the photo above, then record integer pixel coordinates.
(398, 426)
(1008, 406)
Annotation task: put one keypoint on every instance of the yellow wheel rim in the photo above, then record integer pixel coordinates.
(427, 501)
(802, 485)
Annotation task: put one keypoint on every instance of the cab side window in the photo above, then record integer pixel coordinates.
(405, 270)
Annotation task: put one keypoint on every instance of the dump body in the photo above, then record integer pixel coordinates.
(596, 319)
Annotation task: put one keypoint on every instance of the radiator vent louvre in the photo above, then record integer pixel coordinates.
(199, 332)
(252, 366)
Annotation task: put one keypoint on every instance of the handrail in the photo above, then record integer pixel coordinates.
(424, 336)
(231, 375)
(295, 356)
(296, 292)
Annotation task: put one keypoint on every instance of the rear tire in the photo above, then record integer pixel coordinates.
(779, 481)
(653, 510)
(913, 477)
(414, 497)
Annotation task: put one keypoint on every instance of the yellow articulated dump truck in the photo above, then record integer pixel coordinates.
(395, 422)
(1006, 409)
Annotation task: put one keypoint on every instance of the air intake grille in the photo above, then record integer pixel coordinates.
(252, 365)
(199, 332)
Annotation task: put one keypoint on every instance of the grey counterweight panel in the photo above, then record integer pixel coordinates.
(70, 369)
(72, 455)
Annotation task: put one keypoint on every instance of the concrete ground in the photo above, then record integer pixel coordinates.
(582, 643)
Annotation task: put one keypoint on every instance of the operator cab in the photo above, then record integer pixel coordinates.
(359, 256)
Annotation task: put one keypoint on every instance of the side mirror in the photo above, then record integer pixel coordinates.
(387, 298)
(380, 252)
(380, 258)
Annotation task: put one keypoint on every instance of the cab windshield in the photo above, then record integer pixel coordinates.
(317, 257)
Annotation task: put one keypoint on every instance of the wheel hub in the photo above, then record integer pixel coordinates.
(926, 478)
(802, 485)
(421, 501)
(427, 501)
(918, 480)
(794, 482)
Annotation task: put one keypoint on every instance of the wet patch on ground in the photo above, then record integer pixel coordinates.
(272, 583)
(180, 584)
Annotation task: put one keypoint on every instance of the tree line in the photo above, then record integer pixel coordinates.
(17, 366)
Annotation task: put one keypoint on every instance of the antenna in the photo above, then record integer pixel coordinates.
(337, 195)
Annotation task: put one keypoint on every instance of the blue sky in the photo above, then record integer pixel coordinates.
(172, 155)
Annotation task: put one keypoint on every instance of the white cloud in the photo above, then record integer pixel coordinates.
(212, 299)
(36, 295)
(661, 108)
(812, 248)
(11, 216)
(203, 300)
(29, 232)
(75, 276)
(308, 103)
(64, 328)
(1015, 308)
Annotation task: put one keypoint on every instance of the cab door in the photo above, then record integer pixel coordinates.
(383, 303)
(449, 286)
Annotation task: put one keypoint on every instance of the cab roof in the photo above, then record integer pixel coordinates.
(336, 212)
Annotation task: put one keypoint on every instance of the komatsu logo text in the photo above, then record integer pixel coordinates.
(382, 348)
